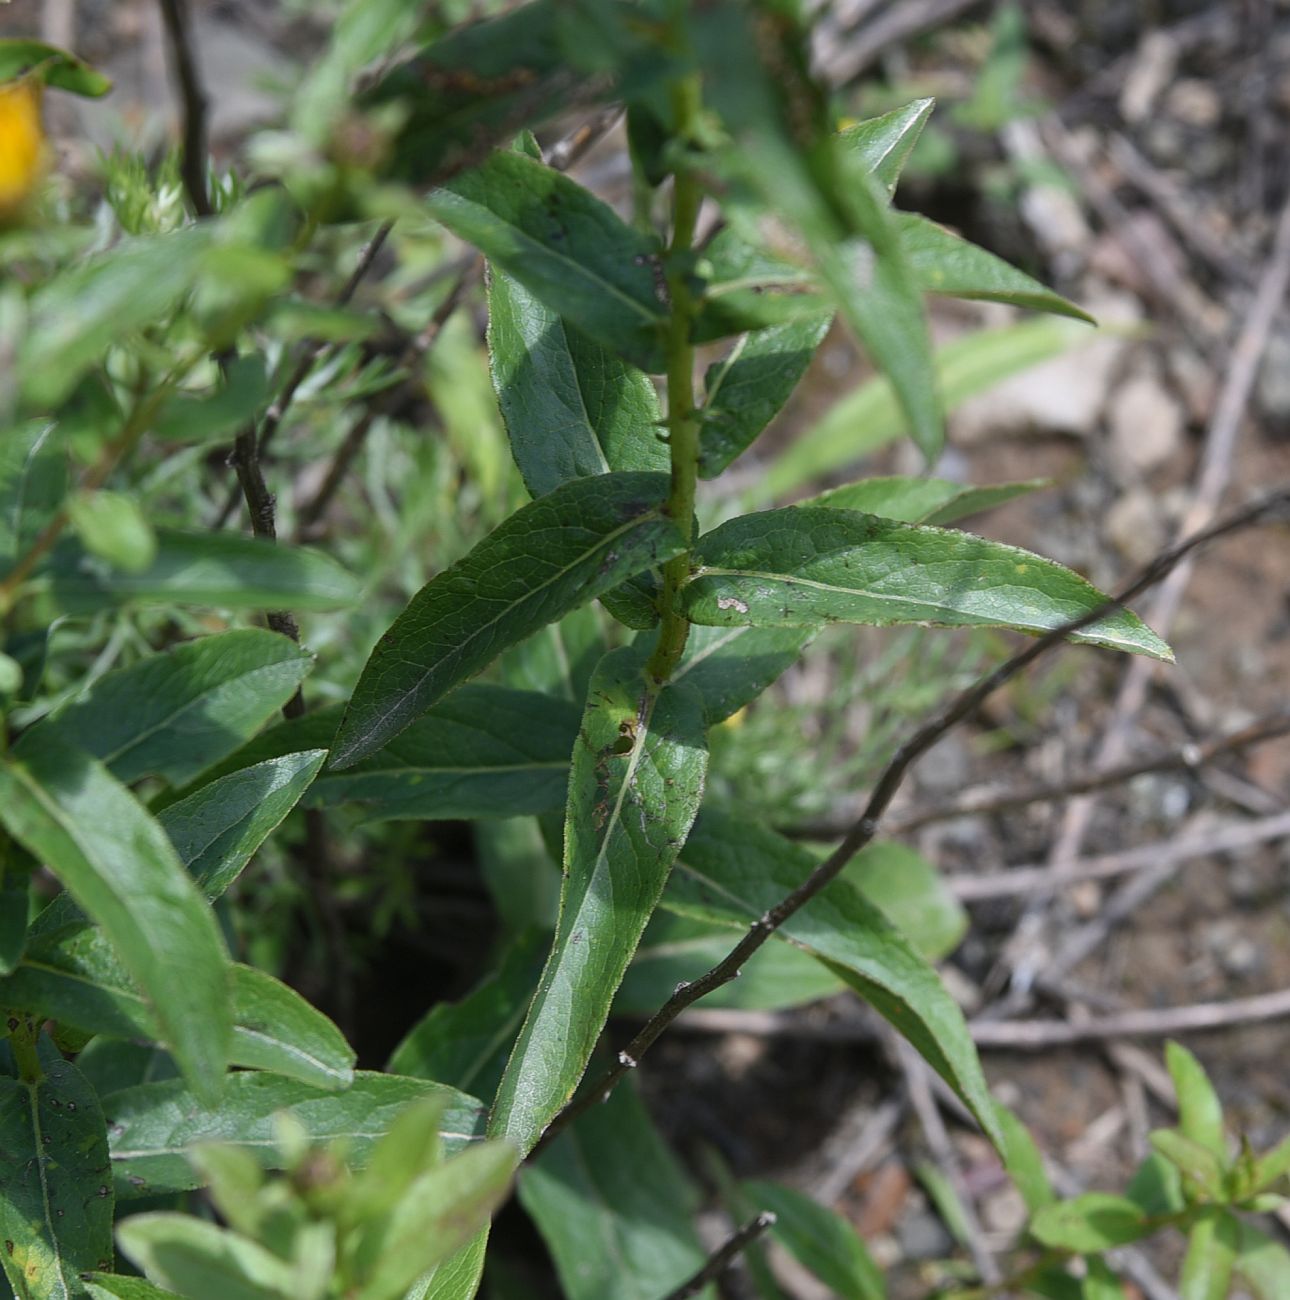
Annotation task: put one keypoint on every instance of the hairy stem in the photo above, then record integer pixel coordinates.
(682, 417)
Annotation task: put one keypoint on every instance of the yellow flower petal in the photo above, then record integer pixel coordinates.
(22, 143)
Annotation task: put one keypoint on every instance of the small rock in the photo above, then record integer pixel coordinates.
(1274, 382)
(923, 1236)
(1194, 102)
(1004, 1211)
(1153, 68)
(1134, 526)
(1232, 948)
(945, 766)
(1146, 427)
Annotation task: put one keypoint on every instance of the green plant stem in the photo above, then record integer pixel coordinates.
(22, 1041)
(682, 415)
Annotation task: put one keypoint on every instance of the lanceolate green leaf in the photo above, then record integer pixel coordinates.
(732, 873)
(51, 65)
(33, 481)
(217, 829)
(883, 144)
(116, 1286)
(613, 1206)
(922, 500)
(806, 565)
(1212, 1245)
(74, 977)
(151, 1126)
(746, 389)
(551, 556)
(1262, 1264)
(912, 894)
(677, 949)
(202, 1259)
(205, 569)
(175, 713)
(634, 790)
(55, 1184)
(571, 408)
(565, 246)
(945, 264)
(731, 666)
(118, 864)
(483, 751)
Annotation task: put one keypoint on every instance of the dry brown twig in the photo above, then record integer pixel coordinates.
(724, 1256)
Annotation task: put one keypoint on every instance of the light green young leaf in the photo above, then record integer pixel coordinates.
(921, 500)
(677, 949)
(465, 1044)
(870, 417)
(457, 1277)
(571, 409)
(113, 528)
(1156, 1186)
(822, 1241)
(205, 569)
(173, 714)
(1275, 1164)
(745, 390)
(1093, 1222)
(1213, 1241)
(945, 264)
(883, 144)
(1195, 1162)
(33, 482)
(483, 751)
(52, 66)
(613, 1205)
(204, 1262)
(1200, 1113)
(732, 873)
(803, 565)
(634, 790)
(152, 1125)
(75, 316)
(549, 557)
(73, 976)
(570, 250)
(1262, 1264)
(55, 1185)
(441, 1211)
(117, 863)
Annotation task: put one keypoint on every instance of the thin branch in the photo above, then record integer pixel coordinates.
(251, 442)
(721, 1259)
(866, 827)
(1190, 757)
(1161, 853)
(194, 104)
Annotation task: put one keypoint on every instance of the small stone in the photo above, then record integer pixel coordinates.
(1004, 1211)
(923, 1236)
(1146, 427)
(945, 766)
(1273, 389)
(1152, 69)
(1194, 102)
(1134, 526)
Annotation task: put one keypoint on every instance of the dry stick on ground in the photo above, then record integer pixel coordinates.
(726, 1255)
(917, 1080)
(1190, 757)
(865, 828)
(856, 52)
(1215, 472)
(1159, 855)
(194, 103)
(1005, 1035)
